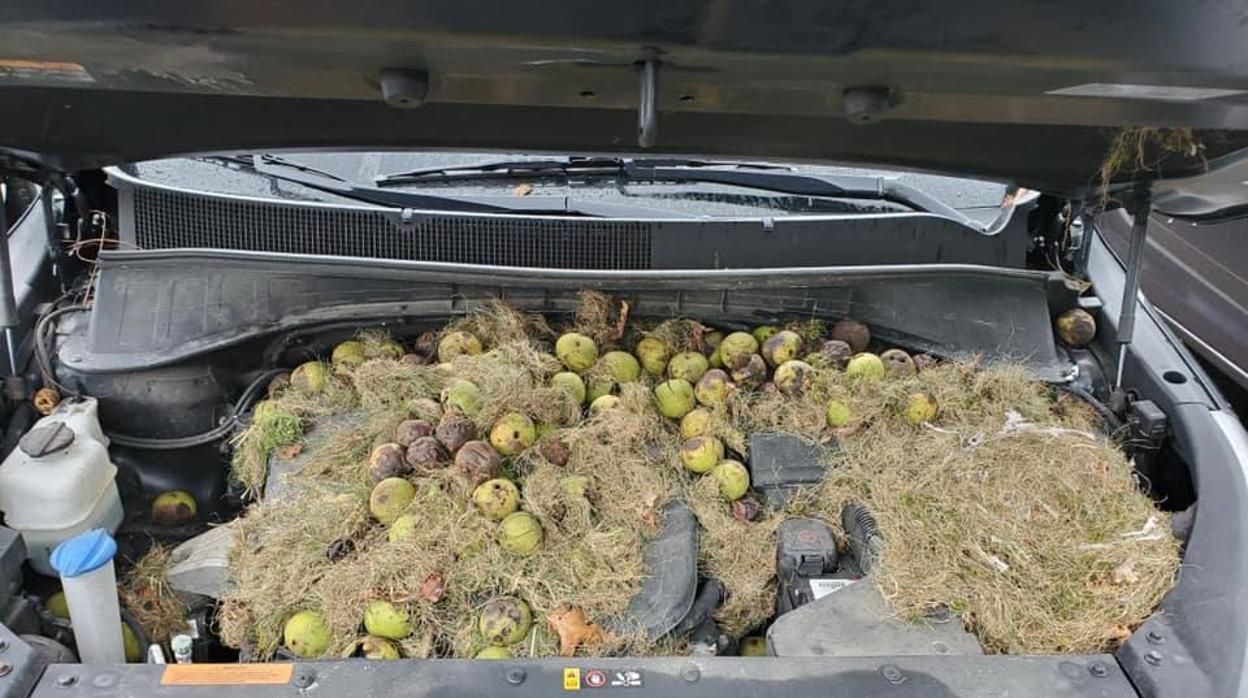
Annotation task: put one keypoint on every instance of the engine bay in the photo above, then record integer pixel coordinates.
(177, 405)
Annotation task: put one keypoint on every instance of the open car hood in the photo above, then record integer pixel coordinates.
(1030, 91)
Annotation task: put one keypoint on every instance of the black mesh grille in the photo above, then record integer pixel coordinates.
(164, 219)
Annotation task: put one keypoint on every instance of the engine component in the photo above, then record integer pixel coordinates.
(60, 482)
(708, 599)
(780, 463)
(863, 537)
(49, 650)
(855, 622)
(200, 566)
(85, 563)
(667, 595)
(806, 563)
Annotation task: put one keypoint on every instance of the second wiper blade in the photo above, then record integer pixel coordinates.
(761, 176)
(574, 165)
(277, 167)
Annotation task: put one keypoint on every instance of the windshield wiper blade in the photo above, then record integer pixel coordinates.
(287, 170)
(564, 166)
(864, 187)
(779, 179)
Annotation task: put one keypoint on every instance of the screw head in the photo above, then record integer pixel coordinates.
(515, 677)
(1155, 637)
(5, 669)
(1153, 657)
(690, 674)
(66, 680)
(892, 674)
(1098, 669)
(304, 679)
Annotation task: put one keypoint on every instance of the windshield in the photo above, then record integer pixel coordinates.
(977, 200)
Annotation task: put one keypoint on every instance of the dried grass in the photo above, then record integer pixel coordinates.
(591, 556)
(496, 324)
(601, 318)
(1136, 150)
(144, 590)
(1025, 531)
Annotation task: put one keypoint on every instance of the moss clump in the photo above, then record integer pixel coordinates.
(272, 426)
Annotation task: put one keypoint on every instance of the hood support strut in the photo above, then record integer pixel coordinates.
(1141, 207)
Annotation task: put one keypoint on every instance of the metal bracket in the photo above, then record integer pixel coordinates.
(1142, 206)
(647, 104)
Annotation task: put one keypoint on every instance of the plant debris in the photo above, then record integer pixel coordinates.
(998, 499)
(144, 590)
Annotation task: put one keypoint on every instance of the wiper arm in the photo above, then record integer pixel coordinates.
(822, 186)
(574, 165)
(761, 176)
(280, 168)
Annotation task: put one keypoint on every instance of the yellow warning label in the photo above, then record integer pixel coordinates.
(571, 679)
(226, 674)
(15, 69)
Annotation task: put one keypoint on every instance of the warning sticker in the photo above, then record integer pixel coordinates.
(820, 588)
(571, 679)
(630, 678)
(595, 678)
(226, 674)
(55, 71)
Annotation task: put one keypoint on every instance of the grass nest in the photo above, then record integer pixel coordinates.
(144, 590)
(1010, 508)
(319, 549)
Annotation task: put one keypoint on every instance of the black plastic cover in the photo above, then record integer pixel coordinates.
(805, 554)
(780, 463)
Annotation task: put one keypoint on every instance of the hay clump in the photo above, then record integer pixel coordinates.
(1136, 150)
(513, 378)
(680, 334)
(452, 564)
(496, 323)
(1010, 510)
(144, 590)
(601, 317)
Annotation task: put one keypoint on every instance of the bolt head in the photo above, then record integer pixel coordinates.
(691, 674)
(1098, 669)
(516, 677)
(1155, 637)
(1153, 657)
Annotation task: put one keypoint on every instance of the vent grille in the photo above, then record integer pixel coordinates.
(168, 219)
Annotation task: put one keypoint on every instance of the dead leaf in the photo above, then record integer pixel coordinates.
(746, 509)
(46, 400)
(618, 330)
(290, 451)
(1125, 573)
(650, 515)
(522, 190)
(1119, 633)
(432, 588)
(849, 429)
(574, 630)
